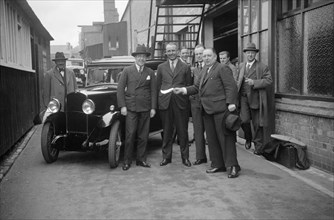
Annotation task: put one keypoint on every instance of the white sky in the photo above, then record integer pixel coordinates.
(62, 17)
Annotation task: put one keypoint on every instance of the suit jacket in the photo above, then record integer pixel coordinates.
(135, 91)
(258, 96)
(166, 79)
(194, 99)
(234, 71)
(216, 89)
(54, 86)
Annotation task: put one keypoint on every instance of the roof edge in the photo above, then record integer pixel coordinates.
(38, 26)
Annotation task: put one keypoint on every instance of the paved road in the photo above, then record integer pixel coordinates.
(81, 186)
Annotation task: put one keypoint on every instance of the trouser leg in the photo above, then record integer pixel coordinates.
(258, 130)
(215, 151)
(198, 124)
(227, 142)
(130, 133)
(245, 115)
(168, 127)
(142, 134)
(181, 118)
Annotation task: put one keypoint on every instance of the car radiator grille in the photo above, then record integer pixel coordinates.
(76, 119)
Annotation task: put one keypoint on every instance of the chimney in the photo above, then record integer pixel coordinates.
(110, 12)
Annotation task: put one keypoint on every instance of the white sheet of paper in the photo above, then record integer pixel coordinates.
(166, 91)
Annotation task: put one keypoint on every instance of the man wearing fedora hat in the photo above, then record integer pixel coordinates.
(54, 82)
(254, 78)
(137, 98)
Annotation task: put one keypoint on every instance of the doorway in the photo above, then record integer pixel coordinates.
(225, 31)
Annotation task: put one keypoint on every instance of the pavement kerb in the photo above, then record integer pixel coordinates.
(9, 159)
(306, 180)
(314, 172)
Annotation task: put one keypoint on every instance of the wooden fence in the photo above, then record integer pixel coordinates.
(18, 105)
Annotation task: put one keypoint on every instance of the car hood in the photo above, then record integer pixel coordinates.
(96, 89)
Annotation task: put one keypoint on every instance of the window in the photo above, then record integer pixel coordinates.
(255, 17)
(305, 50)
(15, 37)
(289, 6)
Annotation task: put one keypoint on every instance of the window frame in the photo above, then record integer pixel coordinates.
(306, 5)
(251, 33)
(15, 39)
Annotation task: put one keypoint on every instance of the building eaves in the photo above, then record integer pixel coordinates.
(126, 8)
(38, 26)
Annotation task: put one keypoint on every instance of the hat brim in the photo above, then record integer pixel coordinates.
(59, 59)
(232, 122)
(255, 50)
(146, 53)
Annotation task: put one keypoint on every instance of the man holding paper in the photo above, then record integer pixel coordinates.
(217, 92)
(173, 108)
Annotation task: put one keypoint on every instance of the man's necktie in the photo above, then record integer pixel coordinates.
(172, 66)
(247, 68)
(206, 73)
(200, 65)
(140, 69)
(61, 71)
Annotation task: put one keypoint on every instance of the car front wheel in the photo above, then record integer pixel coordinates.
(50, 153)
(115, 144)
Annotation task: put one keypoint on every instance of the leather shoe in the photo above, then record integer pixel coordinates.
(216, 170)
(200, 161)
(186, 162)
(248, 145)
(164, 162)
(143, 164)
(234, 172)
(257, 152)
(126, 166)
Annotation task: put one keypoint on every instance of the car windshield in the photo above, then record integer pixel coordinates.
(78, 63)
(101, 75)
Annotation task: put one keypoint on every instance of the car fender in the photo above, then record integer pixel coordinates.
(108, 119)
(59, 122)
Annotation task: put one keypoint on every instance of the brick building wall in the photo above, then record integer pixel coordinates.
(313, 124)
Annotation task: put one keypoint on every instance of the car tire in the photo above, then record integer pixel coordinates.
(115, 143)
(49, 152)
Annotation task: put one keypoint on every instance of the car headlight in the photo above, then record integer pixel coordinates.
(112, 108)
(54, 105)
(88, 106)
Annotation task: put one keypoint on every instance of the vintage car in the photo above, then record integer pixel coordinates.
(91, 119)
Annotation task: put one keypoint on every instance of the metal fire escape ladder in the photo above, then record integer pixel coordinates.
(180, 24)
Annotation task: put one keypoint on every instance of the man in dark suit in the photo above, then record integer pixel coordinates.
(218, 93)
(254, 78)
(196, 109)
(173, 108)
(137, 98)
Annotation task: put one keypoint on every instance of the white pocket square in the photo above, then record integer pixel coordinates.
(148, 78)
